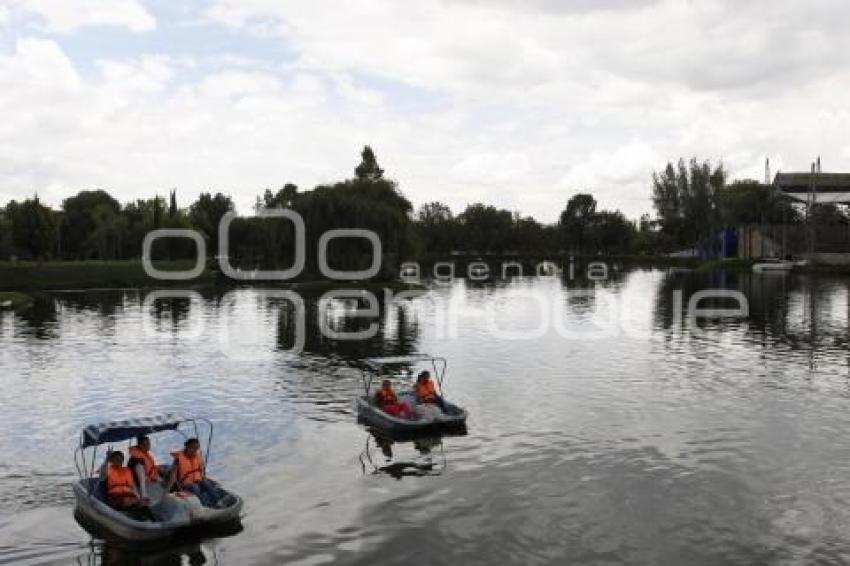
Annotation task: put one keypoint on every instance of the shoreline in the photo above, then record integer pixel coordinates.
(19, 279)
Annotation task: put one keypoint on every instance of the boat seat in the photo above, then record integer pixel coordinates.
(99, 491)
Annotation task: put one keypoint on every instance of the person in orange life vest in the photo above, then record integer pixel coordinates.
(188, 474)
(143, 465)
(387, 401)
(426, 391)
(121, 491)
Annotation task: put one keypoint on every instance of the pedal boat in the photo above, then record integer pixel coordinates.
(452, 419)
(176, 513)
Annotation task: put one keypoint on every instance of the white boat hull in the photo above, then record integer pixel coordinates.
(778, 266)
(177, 516)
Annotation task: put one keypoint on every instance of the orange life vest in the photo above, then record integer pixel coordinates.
(151, 471)
(386, 397)
(189, 470)
(119, 481)
(426, 392)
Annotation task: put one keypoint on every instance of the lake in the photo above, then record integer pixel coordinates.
(607, 426)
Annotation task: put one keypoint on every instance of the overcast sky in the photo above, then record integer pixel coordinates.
(518, 103)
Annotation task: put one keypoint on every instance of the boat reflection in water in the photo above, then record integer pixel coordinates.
(104, 553)
(390, 455)
(193, 548)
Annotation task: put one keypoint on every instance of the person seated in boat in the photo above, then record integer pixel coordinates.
(187, 474)
(121, 491)
(143, 465)
(426, 391)
(387, 401)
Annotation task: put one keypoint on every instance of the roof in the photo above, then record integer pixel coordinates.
(800, 182)
(116, 431)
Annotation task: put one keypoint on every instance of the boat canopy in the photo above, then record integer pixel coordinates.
(374, 366)
(116, 431)
(377, 363)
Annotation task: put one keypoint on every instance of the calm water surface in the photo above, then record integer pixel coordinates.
(604, 429)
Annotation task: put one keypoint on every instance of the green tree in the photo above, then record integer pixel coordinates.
(33, 228)
(206, 214)
(531, 237)
(281, 199)
(5, 234)
(436, 228)
(575, 221)
(368, 169)
(79, 222)
(485, 228)
(750, 202)
(685, 197)
(109, 228)
(611, 233)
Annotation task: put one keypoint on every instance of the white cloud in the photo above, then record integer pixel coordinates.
(63, 16)
(518, 104)
(5, 17)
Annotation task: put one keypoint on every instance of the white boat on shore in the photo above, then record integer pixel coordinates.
(777, 265)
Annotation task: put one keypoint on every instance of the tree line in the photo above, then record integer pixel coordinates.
(692, 201)
(93, 225)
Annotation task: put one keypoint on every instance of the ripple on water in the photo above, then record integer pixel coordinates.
(664, 446)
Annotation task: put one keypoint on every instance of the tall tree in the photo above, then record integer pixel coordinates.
(206, 214)
(368, 169)
(685, 197)
(283, 198)
(79, 222)
(33, 228)
(575, 220)
(5, 234)
(436, 227)
(485, 228)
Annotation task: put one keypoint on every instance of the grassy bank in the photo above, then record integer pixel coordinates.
(61, 275)
(28, 277)
(52, 275)
(14, 300)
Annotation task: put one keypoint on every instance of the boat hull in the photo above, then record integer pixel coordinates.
(783, 266)
(371, 416)
(95, 514)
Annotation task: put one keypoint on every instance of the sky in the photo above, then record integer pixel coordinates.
(516, 103)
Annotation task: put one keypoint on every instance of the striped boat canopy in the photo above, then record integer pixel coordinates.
(398, 360)
(116, 431)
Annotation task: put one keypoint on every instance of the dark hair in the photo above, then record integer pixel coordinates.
(141, 438)
(192, 440)
(115, 453)
(423, 373)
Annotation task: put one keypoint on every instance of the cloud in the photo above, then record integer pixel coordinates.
(513, 103)
(64, 16)
(5, 17)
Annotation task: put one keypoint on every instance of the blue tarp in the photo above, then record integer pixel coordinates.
(722, 245)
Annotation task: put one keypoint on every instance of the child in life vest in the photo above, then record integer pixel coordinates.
(387, 401)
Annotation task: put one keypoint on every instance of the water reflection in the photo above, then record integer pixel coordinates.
(801, 311)
(724, 443)
(394, 327)
(427, 458)
(102, 553)
(40, 320)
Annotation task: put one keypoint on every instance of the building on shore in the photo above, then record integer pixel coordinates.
(827, 244)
